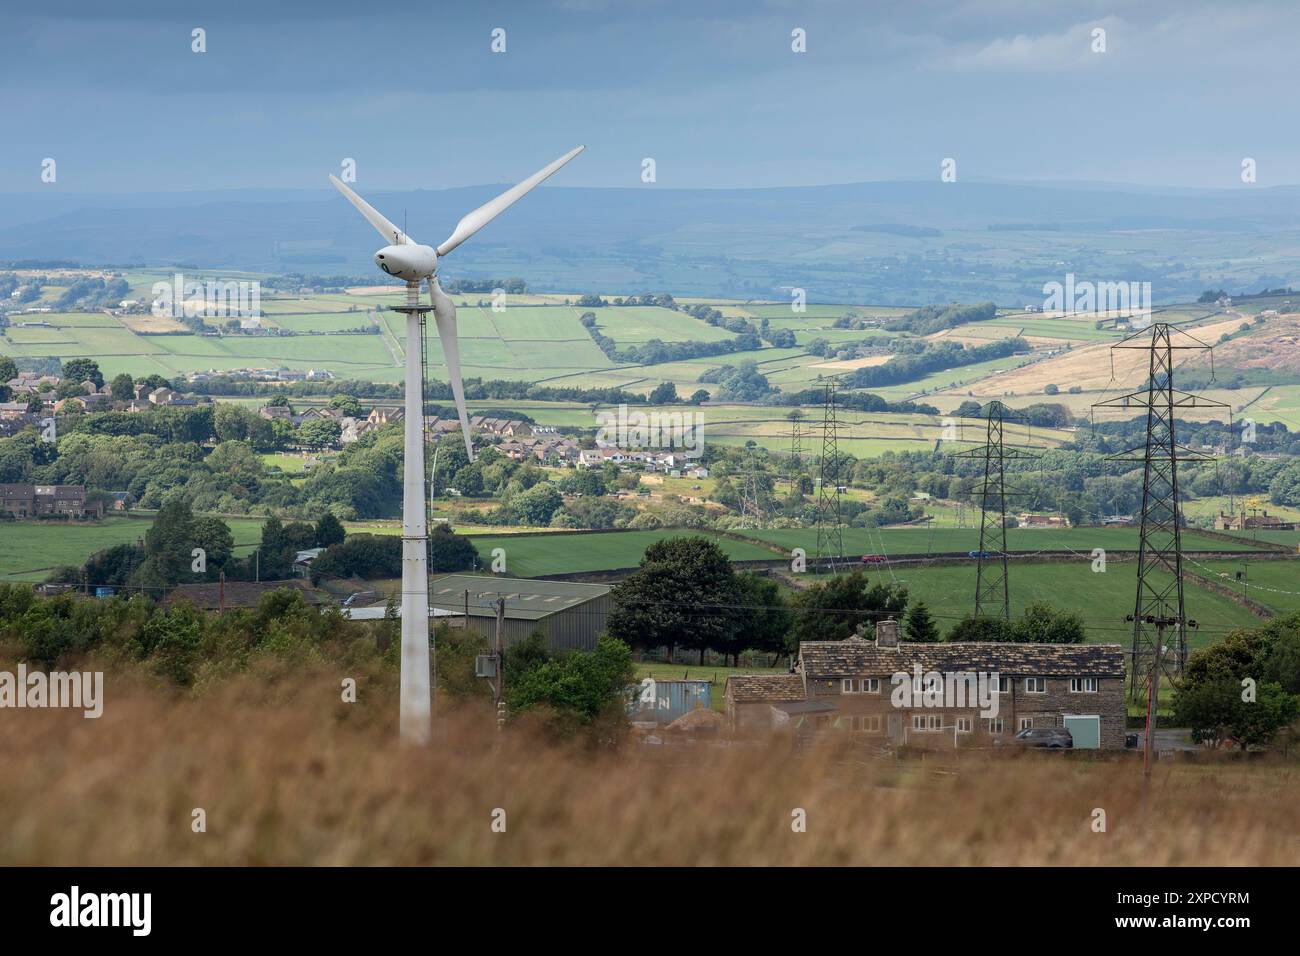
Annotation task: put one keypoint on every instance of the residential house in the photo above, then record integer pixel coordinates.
(31, 501)
(1252, 522)
(276, 413)
(1027, 519)
(1076, 686)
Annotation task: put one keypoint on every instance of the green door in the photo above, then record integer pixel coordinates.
(1086, 731)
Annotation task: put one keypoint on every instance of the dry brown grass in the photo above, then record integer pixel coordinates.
(290, 775)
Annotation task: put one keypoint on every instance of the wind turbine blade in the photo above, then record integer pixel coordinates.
(444, 315)
(484, 214)
(391, 233)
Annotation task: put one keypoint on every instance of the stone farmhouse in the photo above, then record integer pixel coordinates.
(848, 686)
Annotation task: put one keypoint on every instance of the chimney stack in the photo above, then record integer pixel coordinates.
(887, 633)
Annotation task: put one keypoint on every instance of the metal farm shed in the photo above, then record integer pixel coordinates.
(571, 615)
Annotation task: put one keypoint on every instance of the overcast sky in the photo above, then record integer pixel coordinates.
(1011, 89)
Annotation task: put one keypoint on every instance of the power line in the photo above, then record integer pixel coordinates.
(1159, 602)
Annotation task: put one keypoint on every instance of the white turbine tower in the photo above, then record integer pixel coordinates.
(413, 262)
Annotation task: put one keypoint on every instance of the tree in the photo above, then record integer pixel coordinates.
(576, 687)
(834, 610)
(1280, 661)
(214, 537)
(317, 433)
(346, 404)
(699, 396)
(169, 542)
(979, 629)
(362, 556)
(122, 387)
(275, 555)
(1040, 623)
(449, 551)
(919, 626)
(1216, 713)
(1051, 389)
(469, 479)
(1211, 698)
(680, 594)
(762, 617)
(329, 530)
(537, 505)
(665, 394)
(83, 370)
(8, 369)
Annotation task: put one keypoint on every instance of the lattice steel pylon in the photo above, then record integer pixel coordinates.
(1159, 602)
(992, 577)
(751, 506)
(830, 526)
(795, 417)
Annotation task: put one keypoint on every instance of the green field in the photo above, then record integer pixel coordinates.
(1275, 583)
(30, 549)
(634, 325)
(895, 542)
(535, 555)
(1101, 599)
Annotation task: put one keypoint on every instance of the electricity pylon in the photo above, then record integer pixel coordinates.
(1159, 603)
(751, 508)
(795, 417)
(992, 577)
(830, 526)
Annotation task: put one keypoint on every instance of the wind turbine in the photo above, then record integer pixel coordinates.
(406, 259)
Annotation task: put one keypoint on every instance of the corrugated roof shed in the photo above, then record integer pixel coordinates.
(526, 598)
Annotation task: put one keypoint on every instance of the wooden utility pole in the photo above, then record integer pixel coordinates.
(221, 593)
(501, 621)
(1160, 622)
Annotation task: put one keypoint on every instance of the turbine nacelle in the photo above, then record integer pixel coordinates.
(410, 261)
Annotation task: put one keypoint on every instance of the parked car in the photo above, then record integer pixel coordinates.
(1051, 738)
(874, 559)
(979, 554)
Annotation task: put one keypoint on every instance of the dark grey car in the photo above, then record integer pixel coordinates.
(1053, 738)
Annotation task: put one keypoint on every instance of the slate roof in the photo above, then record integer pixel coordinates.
(744, 688)
(855, 656)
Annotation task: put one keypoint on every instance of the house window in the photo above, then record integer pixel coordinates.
(963, 725)
(1004, 686)
(846, 686)
(1025, 723)
(927, 723)
(870, 685)
(868, 725)
(995, 725)
(1083, 685)
(1035, 685)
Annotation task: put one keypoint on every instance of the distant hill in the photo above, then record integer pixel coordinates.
(932, 242)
